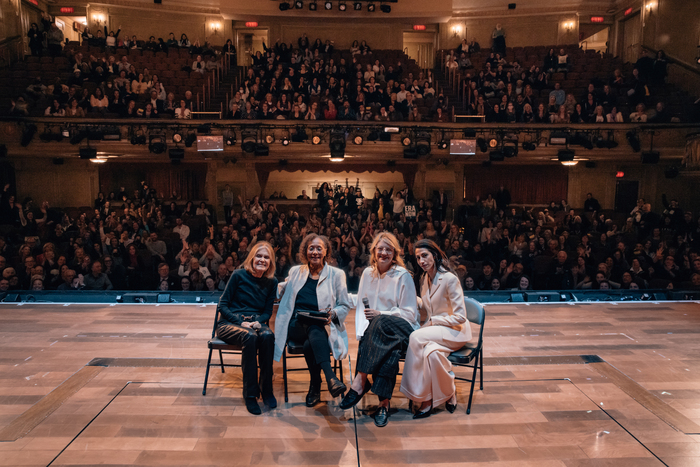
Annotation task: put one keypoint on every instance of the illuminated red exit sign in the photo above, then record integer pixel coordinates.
(419, 27)
(67, 9)
(597, 19)
(628, 11)
(251, 24)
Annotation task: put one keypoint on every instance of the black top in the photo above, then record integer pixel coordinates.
(247, 298)
(306, 297)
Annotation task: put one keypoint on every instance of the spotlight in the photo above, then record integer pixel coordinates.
(248, 141)
(190, 139)
(442, 144)
(313, 6)
(284, 6)
(358, 6)
(565, 155)
(283, 162)
(316, 139)
(176, 155)
(177, 137)
(371, 8)
(423, 143)
(135, 138)
(156, 144)
(88, 153)
(406, 140)
(529, 146)
(558, 138)
(298, 4)
(582, 140)
(342, 6)
(373, 135)
(269, 139)
(337, 146)
(510, 149)
(469, 133)
(493, 142)
(385, 8)
(358, 140)
(633, 141)
(328, 6)
(481, 142)
(300, 135)
(204, 129)
(285, 141)
(28, 135)
(606, 143)
(231, 140)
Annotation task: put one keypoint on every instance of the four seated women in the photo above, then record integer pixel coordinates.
(314, 304)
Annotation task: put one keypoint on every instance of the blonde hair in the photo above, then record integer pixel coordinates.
(248, 263)
(393, 242)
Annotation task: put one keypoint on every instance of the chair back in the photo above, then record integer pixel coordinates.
(216, 321)
(475, 311)
(476, 315)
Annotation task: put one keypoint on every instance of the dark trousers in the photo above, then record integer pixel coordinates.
(227, 214)
(254, 343)
(317, 351)
(384, 343)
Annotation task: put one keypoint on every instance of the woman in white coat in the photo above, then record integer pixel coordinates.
(311, 287)
(428, 377)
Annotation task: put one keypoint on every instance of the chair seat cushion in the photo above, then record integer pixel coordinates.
(218, 344)
(295, 348)
(464, 355)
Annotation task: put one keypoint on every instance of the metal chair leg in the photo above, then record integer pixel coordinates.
(221, 360)
(206, 375)
(284, 373)
(481, 369)
(471, 390)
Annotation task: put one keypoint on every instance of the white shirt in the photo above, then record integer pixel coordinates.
(182, 230)
(392, 293)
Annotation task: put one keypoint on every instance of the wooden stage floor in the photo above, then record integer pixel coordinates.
(576, 385)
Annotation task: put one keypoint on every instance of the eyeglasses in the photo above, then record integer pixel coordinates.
(385, 250)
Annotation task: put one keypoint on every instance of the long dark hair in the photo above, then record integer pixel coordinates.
(442, 264)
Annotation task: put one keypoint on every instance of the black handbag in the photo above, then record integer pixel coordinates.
(319, 318)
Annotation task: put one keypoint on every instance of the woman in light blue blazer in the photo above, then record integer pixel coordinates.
(312, 287)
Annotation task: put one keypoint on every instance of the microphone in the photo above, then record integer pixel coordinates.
(365, 302)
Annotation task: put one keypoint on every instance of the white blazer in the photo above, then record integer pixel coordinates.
(331, 291)
(444, 303)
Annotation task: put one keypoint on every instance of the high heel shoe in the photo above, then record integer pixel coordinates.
(451, 407)
(423, 414)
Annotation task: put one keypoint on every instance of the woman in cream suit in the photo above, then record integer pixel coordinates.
(428, 377)
(315, 286)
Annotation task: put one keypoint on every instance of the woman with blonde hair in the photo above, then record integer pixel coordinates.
(428, 377)
(386, 316)
(246, 308)
(310, 288)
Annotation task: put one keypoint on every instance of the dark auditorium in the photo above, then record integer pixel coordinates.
(270, 233)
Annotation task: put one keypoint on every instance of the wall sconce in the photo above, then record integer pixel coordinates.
(100, 19)
(215, 27)
(649, 6)
(456, 30)
(569, 26)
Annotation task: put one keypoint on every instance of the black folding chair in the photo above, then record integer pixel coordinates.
(472, 355)
(296, 350)
(217, 344)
